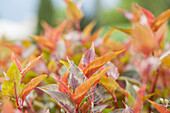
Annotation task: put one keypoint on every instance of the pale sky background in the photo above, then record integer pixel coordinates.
(18, 17)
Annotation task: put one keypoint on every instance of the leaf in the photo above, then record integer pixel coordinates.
(160, 108)
(89, 56)
(99, 109)
(7, 106)
(13, 83)
(51, 87)
(111, 44)
(150, 17)
(63, 83)
(108, 34)
(65, 63)
(45, 42)
(84, 99)
(76, 77)
(108, 110)
(13, 48)
(62, 100)
(127, 110)
(165, 59)
(31, 85)
(29, 66)
(143, 39)
(117, 110)
(73, 12)
(109, 84)
(8, 89)
(131, 90)
(139, 101)
(93, 66)
(18, 63)
(99, 94)
(160, 20)
(112, 71)
(126, 31)
(85, 86)
(95, 35)
(88, 29)
(14, 74)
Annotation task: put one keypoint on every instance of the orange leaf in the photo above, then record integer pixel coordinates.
(111, 44)
(108, 34)
(73, 12)
(42, 40)
(13, 48)
(126, 31)
(30, 65)
(64, 81)
(160, 108)
(165, 59)
(142, 39)
(88, 29)
(161, 19)
(31, 85)
(93, 66)
(7, 106)
(81, 90)
(95, 35)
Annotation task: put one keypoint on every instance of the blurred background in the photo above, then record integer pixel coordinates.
(21, 18)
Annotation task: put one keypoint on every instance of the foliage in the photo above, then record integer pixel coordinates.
(82, 72)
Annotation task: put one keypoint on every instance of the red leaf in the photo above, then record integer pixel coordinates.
(139, 101)
(93, 66)
(18, 63)
(150, 17)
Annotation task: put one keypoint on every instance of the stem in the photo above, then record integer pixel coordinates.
(115, 100)
(92, 102)
(154, 83)
(30, 106)
(16, 95)
(77, 105)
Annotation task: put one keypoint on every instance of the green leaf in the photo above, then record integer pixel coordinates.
(84, 99)
(14, 74)
(108, 110)
(99, 109)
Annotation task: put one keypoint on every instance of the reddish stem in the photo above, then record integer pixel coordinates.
(115, 100)
(92, 102)
(16, 95)
(77, 110)
(154, 83)
(30, 106)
